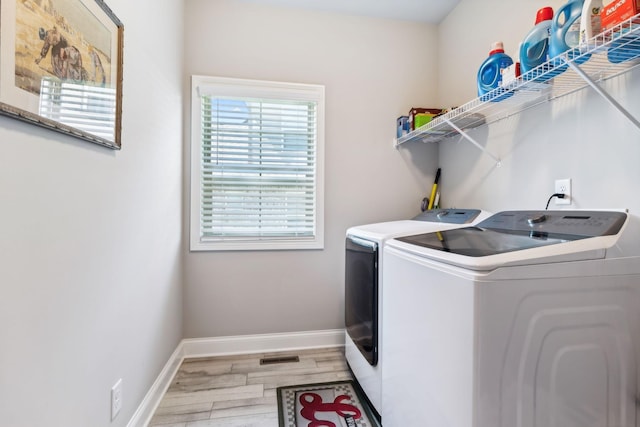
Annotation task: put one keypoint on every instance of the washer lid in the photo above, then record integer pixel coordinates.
(524, 235)
(479, 242)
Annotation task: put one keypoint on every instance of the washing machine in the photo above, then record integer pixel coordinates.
(363, 266)
(528, 319)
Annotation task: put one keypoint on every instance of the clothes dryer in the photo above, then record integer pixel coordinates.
(363, 266)
(529, 319)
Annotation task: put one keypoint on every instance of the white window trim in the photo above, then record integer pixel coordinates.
(206, 85)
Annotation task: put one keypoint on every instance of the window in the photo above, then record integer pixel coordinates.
(256, 165)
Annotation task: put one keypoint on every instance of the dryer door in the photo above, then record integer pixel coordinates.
(361, 296)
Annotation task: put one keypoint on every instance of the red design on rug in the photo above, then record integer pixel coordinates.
(312, 403)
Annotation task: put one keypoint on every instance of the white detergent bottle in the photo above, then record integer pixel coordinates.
(590, 24)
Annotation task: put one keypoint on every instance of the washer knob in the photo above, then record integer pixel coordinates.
(442, 214)
(536, 219)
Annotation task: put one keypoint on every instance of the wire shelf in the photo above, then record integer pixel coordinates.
(607, 55)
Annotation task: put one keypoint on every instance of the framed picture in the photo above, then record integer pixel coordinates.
(61, 67)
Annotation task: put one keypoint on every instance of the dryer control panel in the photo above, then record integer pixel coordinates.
(448, 216)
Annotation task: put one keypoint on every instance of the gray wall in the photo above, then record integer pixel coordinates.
(374, 71)
(90, 244)
(579, 136)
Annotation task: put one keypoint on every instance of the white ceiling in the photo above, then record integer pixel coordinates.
(431, 11)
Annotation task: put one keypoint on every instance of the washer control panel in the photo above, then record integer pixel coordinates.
(577, 223)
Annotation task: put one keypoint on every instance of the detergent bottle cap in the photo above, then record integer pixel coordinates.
(496, 47)
(544, 14)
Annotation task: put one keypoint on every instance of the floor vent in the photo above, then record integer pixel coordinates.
(273, 360)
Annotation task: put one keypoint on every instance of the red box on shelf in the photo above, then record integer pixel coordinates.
(618, 11)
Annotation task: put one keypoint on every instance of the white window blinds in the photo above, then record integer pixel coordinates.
(258, 166)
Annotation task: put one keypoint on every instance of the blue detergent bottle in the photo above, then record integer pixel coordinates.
(565, 35)
(534, 50)
(490, 74)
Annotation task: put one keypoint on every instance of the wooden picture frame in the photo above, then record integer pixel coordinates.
(61, 67)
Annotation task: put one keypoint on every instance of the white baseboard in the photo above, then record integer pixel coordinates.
(222, 346)
(152, 399)
(246, 344)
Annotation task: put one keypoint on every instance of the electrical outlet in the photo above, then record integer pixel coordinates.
(116, 399)
(563, 186)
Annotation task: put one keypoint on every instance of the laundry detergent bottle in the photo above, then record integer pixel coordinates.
(490, 74)
(534, 50)
(565, 34)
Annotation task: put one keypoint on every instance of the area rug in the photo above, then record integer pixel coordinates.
(335, 404)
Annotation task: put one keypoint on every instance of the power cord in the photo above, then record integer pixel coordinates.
(558, 195)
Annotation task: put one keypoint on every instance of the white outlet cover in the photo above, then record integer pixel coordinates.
(116, 399)
(563, 186)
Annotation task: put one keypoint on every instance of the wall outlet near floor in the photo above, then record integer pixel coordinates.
(116, 399)
(563, 186)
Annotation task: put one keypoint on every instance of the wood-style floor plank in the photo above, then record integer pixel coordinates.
(236, 391)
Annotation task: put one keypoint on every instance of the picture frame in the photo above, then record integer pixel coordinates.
(61, 67)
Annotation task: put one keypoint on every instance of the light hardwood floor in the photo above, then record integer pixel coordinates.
(234, 391)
